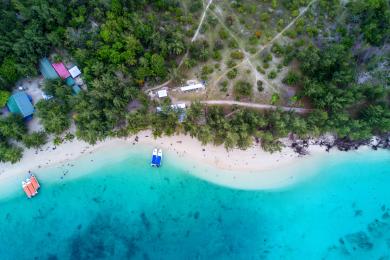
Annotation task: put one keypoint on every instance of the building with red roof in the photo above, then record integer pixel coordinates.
(61, 70)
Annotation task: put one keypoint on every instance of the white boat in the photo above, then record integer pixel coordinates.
(159, 158)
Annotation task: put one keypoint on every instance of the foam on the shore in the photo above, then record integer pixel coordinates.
(251, 169)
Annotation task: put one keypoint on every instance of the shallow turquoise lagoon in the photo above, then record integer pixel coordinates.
(123, 209)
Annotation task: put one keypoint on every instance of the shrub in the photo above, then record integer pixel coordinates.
(265, 17)
(272, 74)
(277, 49)
(275, 98)
(223, 86)
(233, 44)
(36, 139)
(242, 89)
(259, 69)
(57, 140)
(195, 6)
(260, 87)
(206, 70)
(292, 78)
(217, 55)
(232, 74)
(267, 57)
(199, 50)
(4, 96)
(218, 45)
(223, 34)
(237, 55)
(69, 137)
(231, 63)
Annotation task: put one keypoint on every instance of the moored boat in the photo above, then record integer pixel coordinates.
(159, 157)
(30, 185)
(26, 189)
(156, 157)
(34, 182)
(31, 188)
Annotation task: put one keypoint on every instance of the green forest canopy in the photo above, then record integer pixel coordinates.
(121, 45)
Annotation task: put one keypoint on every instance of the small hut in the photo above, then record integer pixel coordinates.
(61, 70)
(20, 103)
(47, 69)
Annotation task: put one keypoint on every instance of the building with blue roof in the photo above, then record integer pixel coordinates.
(20, 103)
(47, 69)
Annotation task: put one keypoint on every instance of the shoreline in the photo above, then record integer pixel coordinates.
(243, 169)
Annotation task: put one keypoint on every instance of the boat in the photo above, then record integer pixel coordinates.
(159, 158)
(156, 157)
(34, 182)
(30, 185)
(26, 189)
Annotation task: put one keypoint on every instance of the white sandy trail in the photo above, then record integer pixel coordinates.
(255, 105)
(249, 105)
(201, 21)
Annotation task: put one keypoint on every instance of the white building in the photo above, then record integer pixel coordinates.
(74, 72)
(179, 106)
(162, 93)
(192, 87)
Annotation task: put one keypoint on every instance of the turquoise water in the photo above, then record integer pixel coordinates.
(123, 209)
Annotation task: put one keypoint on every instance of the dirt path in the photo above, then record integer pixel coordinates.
(186, 54)
(159, 86)
(201, 21)
(250, 105)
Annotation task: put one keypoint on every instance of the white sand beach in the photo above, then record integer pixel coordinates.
(246, 169)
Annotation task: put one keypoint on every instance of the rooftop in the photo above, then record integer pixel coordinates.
(61, 70)
(192, 87)
(162, 93)
(19, 103)
(47, 70)
(74, 72)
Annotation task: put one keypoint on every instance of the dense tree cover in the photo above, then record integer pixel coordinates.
(35, 140)
(14, 131)
(103, 108)
(240, 129)
(123, 46)
(12, 128)
(4, 96)
(243, 89)
(54, 113)
(133, 45)
(329, 77)
(27, 30)
(372, 18)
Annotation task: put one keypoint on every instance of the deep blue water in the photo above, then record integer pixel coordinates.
(123, 209)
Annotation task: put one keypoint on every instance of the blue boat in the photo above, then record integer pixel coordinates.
(156, 157)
